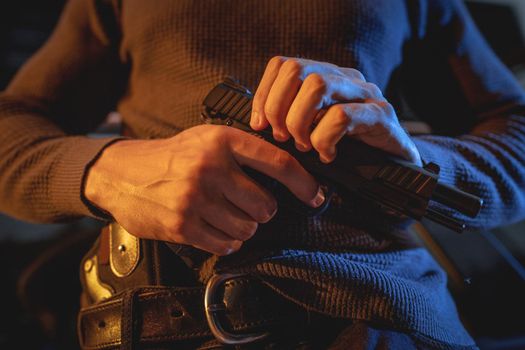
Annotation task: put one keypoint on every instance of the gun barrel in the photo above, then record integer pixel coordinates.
(456, 199)
(445, 220)
(404, 189)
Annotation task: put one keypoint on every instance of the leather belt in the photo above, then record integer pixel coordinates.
(151, 315)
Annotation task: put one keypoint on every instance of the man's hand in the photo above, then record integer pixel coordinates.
(318, 103)
(190, 189)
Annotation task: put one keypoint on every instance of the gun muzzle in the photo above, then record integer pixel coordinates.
(463, 202)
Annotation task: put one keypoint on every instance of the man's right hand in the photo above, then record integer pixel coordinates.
(190, 188)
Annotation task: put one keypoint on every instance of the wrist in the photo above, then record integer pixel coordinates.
(97, 187)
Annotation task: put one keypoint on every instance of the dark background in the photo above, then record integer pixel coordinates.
(39, 263)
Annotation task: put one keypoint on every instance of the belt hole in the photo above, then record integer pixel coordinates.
(175, 313)
(101, 324)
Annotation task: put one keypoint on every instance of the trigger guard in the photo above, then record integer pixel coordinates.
(328, 191)
(286, 200)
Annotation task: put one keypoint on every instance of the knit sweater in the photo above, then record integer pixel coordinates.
(154, 61)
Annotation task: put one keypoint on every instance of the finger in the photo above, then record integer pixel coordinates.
(258, 119)
(210, 239)
(319, 91)
(307, 104)
(250, 197)
(226, 217)
(281, 96)
(352, 90)
(329, 131)
(319, 116)
(274, 162)
(341, 120)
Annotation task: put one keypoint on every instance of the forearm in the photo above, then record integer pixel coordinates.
(476, 108)
(42, 169)
(67, 88)
(488, 162)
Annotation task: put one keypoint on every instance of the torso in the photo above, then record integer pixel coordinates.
(183, 48)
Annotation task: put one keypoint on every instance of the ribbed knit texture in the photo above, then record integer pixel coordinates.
(156, 60)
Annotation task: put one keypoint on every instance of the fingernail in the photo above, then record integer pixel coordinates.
(269, 217)
(319, 198)
(279, 136)
(236, 246)
(301, 147)
(325, 160)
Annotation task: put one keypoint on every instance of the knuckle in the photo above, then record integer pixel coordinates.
(357, 74)
(322, 145)
(372, 90)
(276, 61)
(293, 67)
(340, 116)
(316, 83)
(386, 108)
(271, 111)
(378, 125)
(293, 126)
(218, 134)
(283, 161)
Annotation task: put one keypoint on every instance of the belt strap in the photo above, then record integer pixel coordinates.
(127, 320)
(163, 314)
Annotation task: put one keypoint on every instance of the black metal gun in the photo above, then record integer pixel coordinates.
(393, 184)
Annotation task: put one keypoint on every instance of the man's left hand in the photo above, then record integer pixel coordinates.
(318, 103)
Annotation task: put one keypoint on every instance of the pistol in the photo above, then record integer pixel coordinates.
(394, 185)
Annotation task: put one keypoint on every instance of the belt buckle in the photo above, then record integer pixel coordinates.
(212, 307)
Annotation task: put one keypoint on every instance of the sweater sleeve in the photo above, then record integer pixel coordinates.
(65, 90)
(477, 108)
